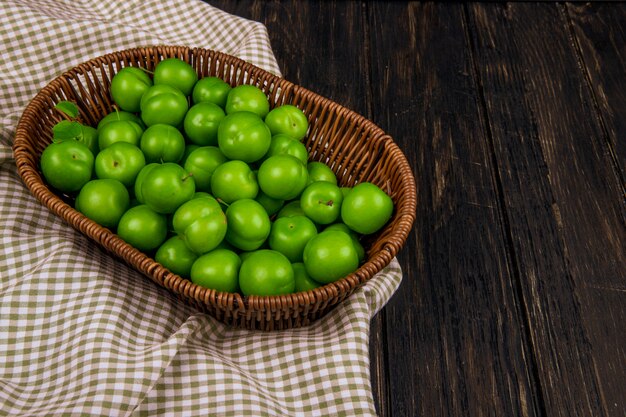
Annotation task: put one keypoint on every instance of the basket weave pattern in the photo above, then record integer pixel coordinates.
(354, 148)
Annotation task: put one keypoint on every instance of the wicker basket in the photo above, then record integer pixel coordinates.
(352, 146)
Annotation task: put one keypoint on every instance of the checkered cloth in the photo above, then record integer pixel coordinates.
(81, 333)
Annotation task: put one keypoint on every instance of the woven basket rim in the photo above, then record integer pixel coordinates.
(27, 164)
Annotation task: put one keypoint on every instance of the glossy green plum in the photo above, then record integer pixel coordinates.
(119, 131)
(143, 228)
(244, 136)
(266, 272)
(67, 165)
(190, 211)
(217, 270)
(117, 115)
(248, 224)
(206, 232)
(176, 256)
(284, 144)
(202, 194)
(319, 171)
(289, 120)
(366, 208)
(330, 256)
(104, 201)
(234, 180)
(321, 201)
(127, 87)
(121, 161)
(201, 123)
(163, 104)
(289, 236)
(248, 98)
(166, 187)
(211, 89)
(282, 177)
(202, 222)
(202, 163)
(176, 73)
(342, 227)
(162, 143)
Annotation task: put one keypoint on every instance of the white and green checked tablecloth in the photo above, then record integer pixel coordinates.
(83, 334)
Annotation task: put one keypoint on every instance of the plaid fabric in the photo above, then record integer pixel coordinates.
(83, 334)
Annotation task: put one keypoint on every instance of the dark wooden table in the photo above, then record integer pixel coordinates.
(513, 117)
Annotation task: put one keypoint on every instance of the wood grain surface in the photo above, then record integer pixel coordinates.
(512, 116)
(559, 190)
